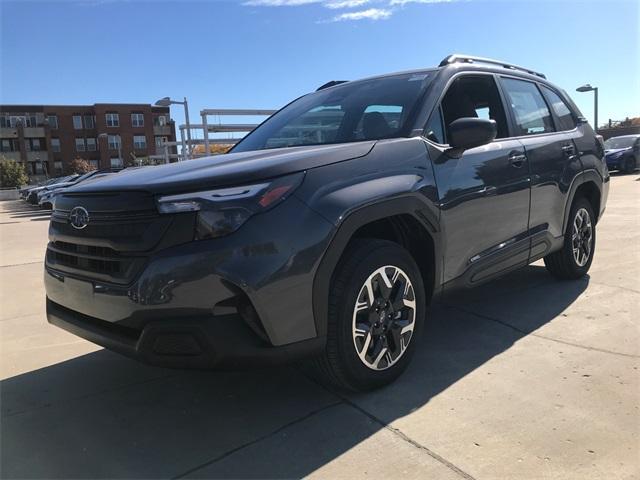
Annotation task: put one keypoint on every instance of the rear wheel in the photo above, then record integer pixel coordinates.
(376, 309)
(575, 257)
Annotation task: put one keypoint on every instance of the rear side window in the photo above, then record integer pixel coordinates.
(529, 109)
(562, 111)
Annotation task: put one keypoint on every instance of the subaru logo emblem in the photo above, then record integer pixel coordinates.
(79, 217)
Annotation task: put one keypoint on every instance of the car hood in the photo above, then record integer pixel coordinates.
(613, 151)
(224, 170)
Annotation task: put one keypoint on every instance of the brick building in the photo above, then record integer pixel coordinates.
(47, 138)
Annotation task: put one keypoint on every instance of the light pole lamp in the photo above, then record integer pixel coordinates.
(588, 88)
(165, 102)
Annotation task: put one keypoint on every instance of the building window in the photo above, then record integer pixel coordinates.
(160, 121)
(94, 163)
(116, 162)
(32, 144)
(114, 142)
(4, 121)
(80, 145)
(89, 121)
(77, 122)
(55, 144)
(160, 141)
(53, 121)
(137, 120)
(139, 142)
(91, 144)
(113, 120)
(9, 145)
(57, 167)
(32, 120)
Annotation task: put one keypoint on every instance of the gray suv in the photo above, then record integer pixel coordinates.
(326, 231)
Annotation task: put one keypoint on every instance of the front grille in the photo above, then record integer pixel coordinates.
(123, 231)
(100, 261)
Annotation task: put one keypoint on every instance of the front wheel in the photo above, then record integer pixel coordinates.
(575, 257)
(376, 311)
(629, 165)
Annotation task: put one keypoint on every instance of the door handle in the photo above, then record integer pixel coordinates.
(517, 159)
(568, 149)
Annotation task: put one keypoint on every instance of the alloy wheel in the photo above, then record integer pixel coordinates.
(384, 317)
(582, 237)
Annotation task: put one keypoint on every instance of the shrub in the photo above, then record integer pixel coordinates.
(12, 173)
(79, 165)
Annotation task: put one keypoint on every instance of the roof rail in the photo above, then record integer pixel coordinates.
(330, 84)
(458, 58)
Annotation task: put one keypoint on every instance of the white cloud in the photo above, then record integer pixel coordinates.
(370, 14)
(345, 3)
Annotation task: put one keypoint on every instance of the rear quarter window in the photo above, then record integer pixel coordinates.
(563, 113)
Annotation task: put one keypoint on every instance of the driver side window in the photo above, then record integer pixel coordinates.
(474, 96)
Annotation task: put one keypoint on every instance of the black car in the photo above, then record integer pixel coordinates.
(327, 230)
(623, 153)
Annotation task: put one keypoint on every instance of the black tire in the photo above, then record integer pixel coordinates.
(629, 164)
(341, 364)
(563, 264)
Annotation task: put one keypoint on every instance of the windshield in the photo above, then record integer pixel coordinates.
(619, 142)
(361, 110)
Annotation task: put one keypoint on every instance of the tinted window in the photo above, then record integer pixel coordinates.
(474, 97)
(562, 111)
(361, 110)
(529, 108)
(619, 142)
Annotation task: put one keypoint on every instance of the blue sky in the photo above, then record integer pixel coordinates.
(263, 53)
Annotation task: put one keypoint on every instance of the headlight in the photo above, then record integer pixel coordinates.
(223, 211)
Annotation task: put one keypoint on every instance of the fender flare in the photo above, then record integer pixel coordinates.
(582, 178)
(406, 205)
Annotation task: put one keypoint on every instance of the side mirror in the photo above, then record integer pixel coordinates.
(470, 132)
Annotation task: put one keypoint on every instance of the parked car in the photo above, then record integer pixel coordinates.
(24, 192)
(327, 230)
(45, 197)
(623, 153)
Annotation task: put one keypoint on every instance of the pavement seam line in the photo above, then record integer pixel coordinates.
(20, 264)
(397, 432)
(257, 440)
(537, 335)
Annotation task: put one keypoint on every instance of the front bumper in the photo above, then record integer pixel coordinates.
(236, 300)
(220, 342)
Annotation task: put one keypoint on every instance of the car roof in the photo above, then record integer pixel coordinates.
(459, 62)
(635, 135)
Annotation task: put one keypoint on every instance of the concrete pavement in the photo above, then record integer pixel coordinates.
(525, 377)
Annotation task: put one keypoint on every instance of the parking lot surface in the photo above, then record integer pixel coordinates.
(525, 377)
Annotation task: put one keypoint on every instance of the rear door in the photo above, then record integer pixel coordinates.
(484, 194)
(552, 156)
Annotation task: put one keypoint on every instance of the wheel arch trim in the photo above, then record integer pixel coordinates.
(350, 224)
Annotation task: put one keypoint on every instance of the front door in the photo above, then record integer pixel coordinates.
(484, 194)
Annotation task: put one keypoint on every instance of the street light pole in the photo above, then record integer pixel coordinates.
(595, 107)
(186, 118)
(165, 102)
(588, 88)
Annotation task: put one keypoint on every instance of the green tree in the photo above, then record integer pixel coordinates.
(79, 165)
(12, 173)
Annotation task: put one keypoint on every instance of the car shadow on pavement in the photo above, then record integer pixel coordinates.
(100, 415)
